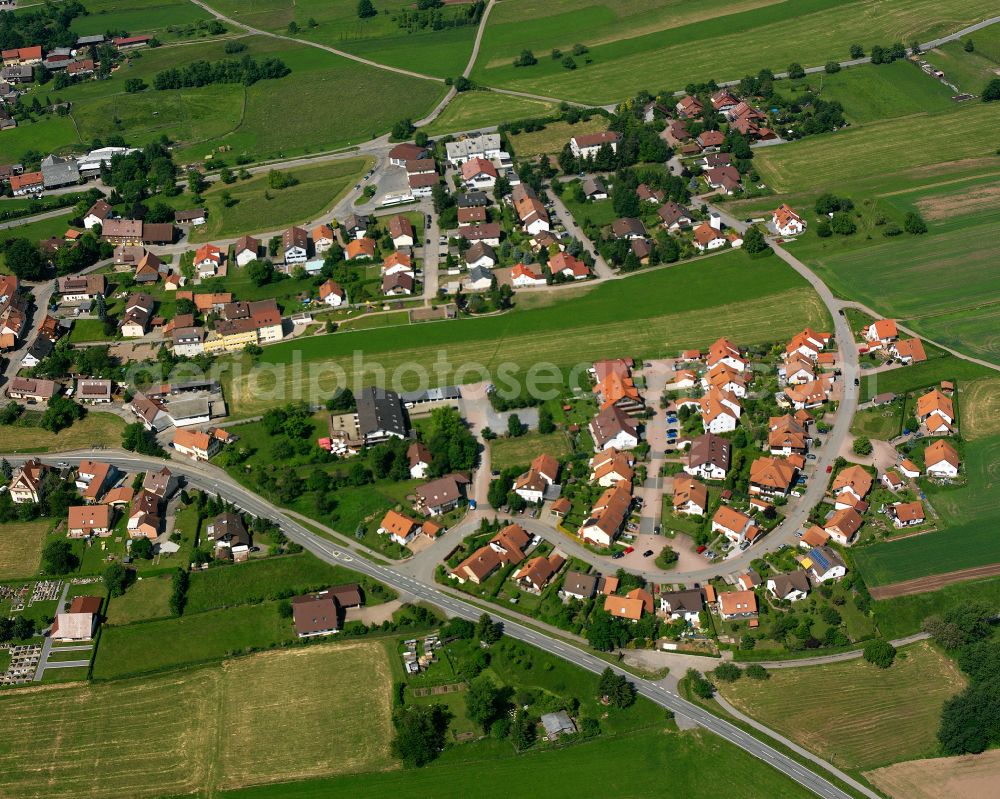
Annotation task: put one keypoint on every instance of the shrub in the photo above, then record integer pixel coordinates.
(880, 652)
(757, 672)
(727, 672)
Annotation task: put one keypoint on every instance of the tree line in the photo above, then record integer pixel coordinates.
(246, 70)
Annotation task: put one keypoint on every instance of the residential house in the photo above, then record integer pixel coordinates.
(909, 351)
(485, 146)
(734, 525)
(401, 231)
(323, 238)
(628, 228)
(137, 315)
(398, 284)
(295, 245)
(647, 194)
(488, 233)
(936, 412)
(84, 521)
(624, 607)
(724, 378)
(478, 173)
(230, 536)
(720, 411)
(542, 473)
(505, 548)
(589, 144)
(892, 480)
(577, 585)
(195, 444)
(188, 341)
(31, 390)
(737, 604)
(843, 525)
(824, 564)
(536, 573)
(689, 107)
(480, 254)
(770, 476)
(530, 210)
(80, 288)
(246, 250)
(787, 222)
(686, 605)
(880, 333)
(851, 486)
(690, 496)
(359, 248)
(674, 215)
(26, 482)
(397, 262)
(726, 178)
(612, 427)
(357, 226)
(207, 260)
(400, 529)
(149, 269)
(479, 279)
(315, 614)
(18, 74)
(144, 520)
(92, 391)
(941, 460)
(100, 211)
(608, 515)
(522, 276)
(615, 386)
(906, 514)
(611, 466)
(792, 586)
(40, 349)
(27, 183)
(161, 482)
(711, 140)
(472, 215)
(787, 436)
(191, 216)
(122, 231)
(442, 495)
(909, 468)
(151, 412)
(401, 153)
(593, 188)
(569, 266)
(331, 293)
(707, 237)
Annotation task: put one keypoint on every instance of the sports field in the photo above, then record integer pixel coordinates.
(471, 110)
(852, 713)
(21, 547)
(259, 208)
(252, 720)
(669, 309)
(633, 46)
(672, 764)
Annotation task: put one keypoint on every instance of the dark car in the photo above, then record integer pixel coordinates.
(857, 382)
(647, 553)
(618, 555)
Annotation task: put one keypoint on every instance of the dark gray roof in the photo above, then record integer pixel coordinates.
(432, 394)
(41, 348)
(380, 409)
(690, 601)
(711, 449)
(580, 584)
(472, 199)
(58, 171)
(784, 584)
(228, 527)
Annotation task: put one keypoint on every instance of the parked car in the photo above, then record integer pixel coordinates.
(811, 457)
(647, 553)
(857, 382)
(629, 550)
(829, 469)
(701, 548)
(617, 555)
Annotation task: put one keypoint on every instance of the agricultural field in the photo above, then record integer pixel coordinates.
(508, 452)
(201, 120)
(380, 38)
(764, 301)
(880, 155)
(472, 110)
(138, 17)
(969, 71)
(672, 759)
(94, 430)
(207, 723)
(961, 776)
(254, 206)
(904, 615)
(21, 547)
(877, 717)
(632, 46)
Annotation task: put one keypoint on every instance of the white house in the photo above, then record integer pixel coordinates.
(331, 293)
(295, 242)
(734, 525)
(824, 563)
(523, 277)
(793, 586)
(246, 250)
(590, 144)
(420, 460)
(941, 460)
(787, 222)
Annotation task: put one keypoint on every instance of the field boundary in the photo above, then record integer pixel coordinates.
(921, 585)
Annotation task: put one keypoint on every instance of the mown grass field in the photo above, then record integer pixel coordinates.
(877, 154)
(216, 727)
(379, 38)
(667, 309)
(554, 136)
(508, 452)
(675, 760)
(471, 110)
(21, 547)
(264, 579)
(633, 47)
(94, 430)
(138, 17)
(146, 599)
(259, 208)
(852, 713)
(246, 119)
(969, 71)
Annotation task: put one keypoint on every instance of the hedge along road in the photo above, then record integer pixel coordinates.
(213, 481)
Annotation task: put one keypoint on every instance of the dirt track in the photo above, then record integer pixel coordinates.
(923, 584)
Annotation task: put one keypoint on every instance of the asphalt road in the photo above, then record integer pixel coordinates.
(212, 480)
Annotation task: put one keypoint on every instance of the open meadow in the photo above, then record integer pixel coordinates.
(255, 207)
(852, 713)
(21, 547)
(225, 726)
(666, 45)
(148, 598)
(471, 110)
(551, 139)
(670, 308)
(94, 430)
(506, 453)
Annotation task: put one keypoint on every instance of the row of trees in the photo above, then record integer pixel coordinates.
(245, 70)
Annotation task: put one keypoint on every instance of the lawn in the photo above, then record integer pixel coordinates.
(554, 136)
(256, 207)
(633, 46)
(904, 615)
(852, 713)
(266, 579)
(94, 430)
(508, 452)
(883, 422)
(857, 157)
(662, 762)
(197, 638)
(148, 598)
(926, 375)
(89, 330)
(219, 727)
(763, 301)
(21, 547)
(472, 110)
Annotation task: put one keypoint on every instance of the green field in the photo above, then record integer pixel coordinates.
(554, 136)
(881, 716)
(671, 762)
(873, 92)
(267, 579)
(969, 71)
(508, 452)
(168, 643)
(969, 539)
(876, 155)
(633, 46)
(145, 599)
(378, 38)
(904, 615)
(260, 208)
(21, 547)
(227, 726)
(200, 120)
(471, 110)
(137, 17)
(668, 309)
(94, 430)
